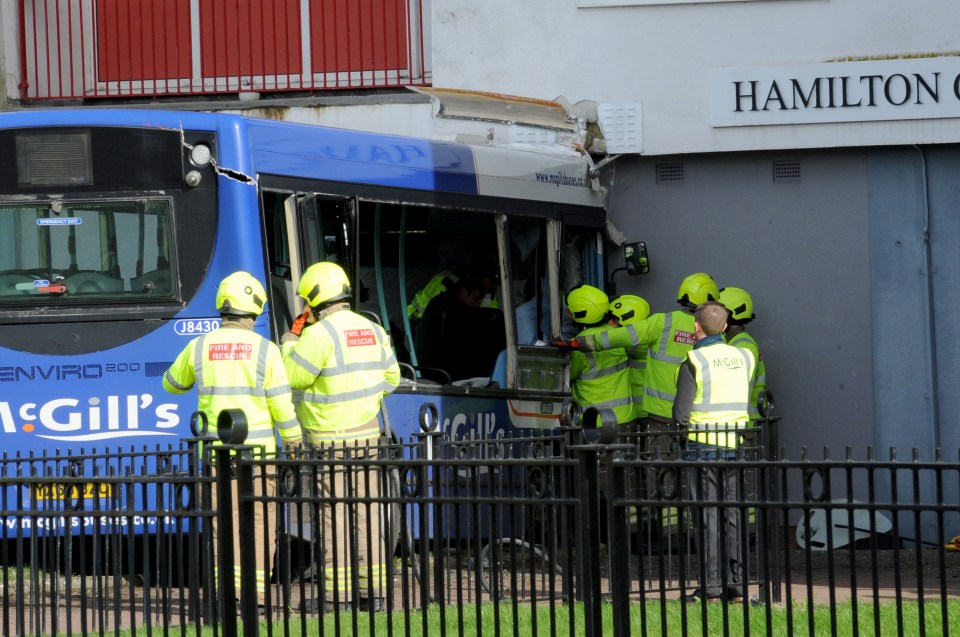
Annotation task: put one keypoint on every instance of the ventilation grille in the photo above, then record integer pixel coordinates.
(54, 159)
(786, 171)
(669, 173)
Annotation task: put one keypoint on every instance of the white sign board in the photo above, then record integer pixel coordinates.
(867, 91)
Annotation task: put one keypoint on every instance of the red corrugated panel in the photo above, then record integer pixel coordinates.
(147, 39)
(250, 37)
(358, 35)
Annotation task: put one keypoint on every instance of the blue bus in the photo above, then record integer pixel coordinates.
(116, 227)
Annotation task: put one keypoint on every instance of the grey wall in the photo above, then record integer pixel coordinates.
(800, 247)
(856, 282)
(915, 250)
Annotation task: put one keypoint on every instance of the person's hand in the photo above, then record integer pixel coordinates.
(572, 344)
(300, 323)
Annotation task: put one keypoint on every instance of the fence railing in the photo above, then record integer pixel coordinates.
(546, 533)
(78, 49)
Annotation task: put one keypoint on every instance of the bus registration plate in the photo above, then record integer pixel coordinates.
(84, 491)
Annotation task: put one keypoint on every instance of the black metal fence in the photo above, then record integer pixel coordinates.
(546, 533)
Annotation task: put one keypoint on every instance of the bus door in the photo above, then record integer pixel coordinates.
(302, 229)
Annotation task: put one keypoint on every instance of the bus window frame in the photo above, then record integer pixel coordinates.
(556, 217)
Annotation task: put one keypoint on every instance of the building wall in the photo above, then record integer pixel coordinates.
(801, 248)
(914, 248)
(662, 55)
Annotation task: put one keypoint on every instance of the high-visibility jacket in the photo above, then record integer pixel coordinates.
(723, 374)
(668, 337)
(235, 368)
(746, 341)
(344, 364)
(602, 379)
(637, 360)
(440, 283)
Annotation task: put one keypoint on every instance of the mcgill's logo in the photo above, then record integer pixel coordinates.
(110, 417)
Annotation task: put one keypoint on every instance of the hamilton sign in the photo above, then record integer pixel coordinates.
(865, 91)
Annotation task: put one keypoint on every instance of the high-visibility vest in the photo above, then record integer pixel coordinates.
(602, 379)
(440, 283)
(235, 368)
(344, 364)
(723, 374)
(746, 341)
(668, 337)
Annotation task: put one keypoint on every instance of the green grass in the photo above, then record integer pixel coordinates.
(679, 619)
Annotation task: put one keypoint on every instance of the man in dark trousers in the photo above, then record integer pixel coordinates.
(712, 402)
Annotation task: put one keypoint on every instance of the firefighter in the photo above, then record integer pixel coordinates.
(233, 367)
(598, 379)
(440, 283)
(713, 392)
(667, 336)
(344, 364)
(740, 305)
(627, 309)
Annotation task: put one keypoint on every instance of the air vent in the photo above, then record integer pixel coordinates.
(786, 170)
(669, 173)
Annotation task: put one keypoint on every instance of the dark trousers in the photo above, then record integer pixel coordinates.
(720, 554)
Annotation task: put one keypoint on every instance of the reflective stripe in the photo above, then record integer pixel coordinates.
(718, 427)
(286, 424)
(325, 399)
(278, 390)
(610, 404)
(312, 369)
(212, 390)
(314, 437)
(662, 395)
(665, 335)
(334, 338)
(666, 358)
(174, 383)
(198, 363)
(600, 373)
(349, 368)
(260, 434)
(342, 578)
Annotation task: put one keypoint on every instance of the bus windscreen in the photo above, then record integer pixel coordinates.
(60, 252)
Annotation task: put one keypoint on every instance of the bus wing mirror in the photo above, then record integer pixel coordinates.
(635, 256)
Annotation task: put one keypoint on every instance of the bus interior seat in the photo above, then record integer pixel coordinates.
(92, 282)
(156, 281)
(10, 280)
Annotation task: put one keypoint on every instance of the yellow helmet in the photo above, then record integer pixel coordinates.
(738, 301)
(324, 282)
(696, 289)
(588, 304)
(240, 294)
(629, 308)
